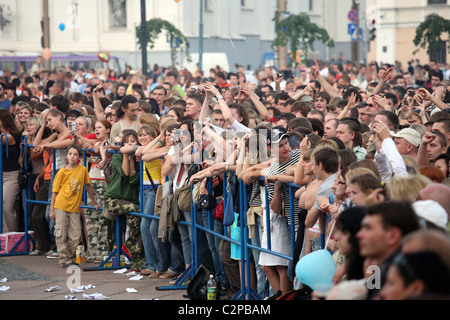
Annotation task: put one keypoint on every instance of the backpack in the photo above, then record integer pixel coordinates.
(196, 289)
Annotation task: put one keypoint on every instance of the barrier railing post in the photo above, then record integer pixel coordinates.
(267, 213)
(118, 251)
(246, 286)
(26, 237)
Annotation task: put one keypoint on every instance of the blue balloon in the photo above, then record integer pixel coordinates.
(62, 26)
(316, 268)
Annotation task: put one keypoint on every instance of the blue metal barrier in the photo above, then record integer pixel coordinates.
(246, 291)
(26, 236)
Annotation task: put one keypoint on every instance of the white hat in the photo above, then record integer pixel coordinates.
(431, 211)
(410, 135)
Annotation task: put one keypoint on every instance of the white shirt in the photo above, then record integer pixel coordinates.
(239, 127)
(388, 157)
(178, 168)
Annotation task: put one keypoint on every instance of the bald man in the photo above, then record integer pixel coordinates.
(439, 193)
(432, 240)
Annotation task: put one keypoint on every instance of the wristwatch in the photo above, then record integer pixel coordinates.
(219, 97)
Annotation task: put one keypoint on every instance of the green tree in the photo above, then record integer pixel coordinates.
(429, 33)
(298, 29)
(176, 39)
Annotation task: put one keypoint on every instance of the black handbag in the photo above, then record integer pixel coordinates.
(207, 202)
(24, 173)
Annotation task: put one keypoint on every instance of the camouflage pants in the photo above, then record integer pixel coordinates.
(97, 225)
(134, 241)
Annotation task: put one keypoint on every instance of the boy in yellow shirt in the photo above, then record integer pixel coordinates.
(67, 192)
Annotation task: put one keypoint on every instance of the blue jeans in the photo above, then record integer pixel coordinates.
(210, 223)
(150, 250)
(185, 233)
(169, 260)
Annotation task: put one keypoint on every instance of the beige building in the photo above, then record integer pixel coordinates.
(396, 28)
(243, 30)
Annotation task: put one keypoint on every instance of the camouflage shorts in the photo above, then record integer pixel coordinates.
(118, 207)
(134, 241)
(97, 225)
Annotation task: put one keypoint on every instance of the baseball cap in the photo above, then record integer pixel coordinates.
(431, 211)
(410, 135)
(276, 135)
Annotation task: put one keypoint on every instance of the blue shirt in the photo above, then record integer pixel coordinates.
(5, 104)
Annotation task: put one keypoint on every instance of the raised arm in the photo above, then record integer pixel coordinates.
(249, 90)
(98, 109)
(332, 91)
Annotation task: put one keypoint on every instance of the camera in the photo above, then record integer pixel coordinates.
(177, 134)
(74, 126)
(196, 89)
(279, 75)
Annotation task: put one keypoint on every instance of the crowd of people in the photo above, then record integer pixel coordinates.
(365, 149)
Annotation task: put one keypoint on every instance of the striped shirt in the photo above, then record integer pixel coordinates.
(277, 168)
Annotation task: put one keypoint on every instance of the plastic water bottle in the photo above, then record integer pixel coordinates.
(211, 288)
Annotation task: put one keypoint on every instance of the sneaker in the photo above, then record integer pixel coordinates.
(36, 253)
(52, 255)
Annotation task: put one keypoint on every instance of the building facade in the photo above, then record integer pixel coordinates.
(396, 29)
(242, 29)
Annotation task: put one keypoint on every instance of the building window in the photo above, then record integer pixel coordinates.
(247, 4)
(437, 1)
(118, 14)
(439, 54)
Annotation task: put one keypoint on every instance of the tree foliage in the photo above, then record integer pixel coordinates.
(429, 32)
(298, 29)
(175, 38)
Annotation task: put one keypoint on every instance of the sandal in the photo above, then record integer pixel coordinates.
(147, 272)
(155, 274)
(169, 275)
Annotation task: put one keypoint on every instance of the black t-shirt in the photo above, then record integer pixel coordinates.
(11, 163)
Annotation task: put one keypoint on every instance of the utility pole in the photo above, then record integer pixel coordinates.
(46, 32)
(282, 50)
(144, 38)
(356, 46)
(200, 38)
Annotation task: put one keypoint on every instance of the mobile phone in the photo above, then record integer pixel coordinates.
(74, 126)
(176, 135)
